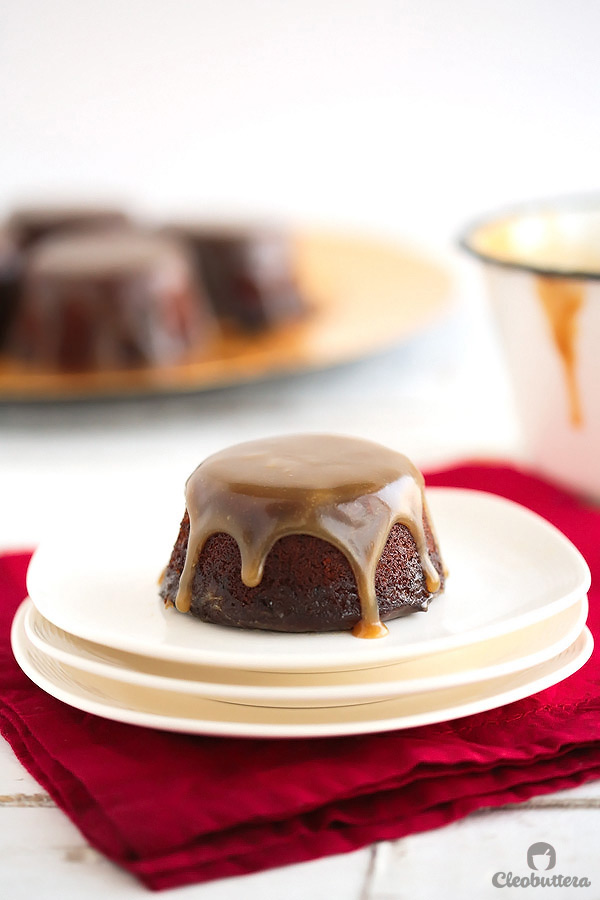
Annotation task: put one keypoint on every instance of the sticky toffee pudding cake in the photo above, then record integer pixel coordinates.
(107, 300)
(248, 273)
(304, 533)
(88, 289)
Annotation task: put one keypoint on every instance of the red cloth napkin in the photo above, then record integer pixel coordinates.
(176, 809)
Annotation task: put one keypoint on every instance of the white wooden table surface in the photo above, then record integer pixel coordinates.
(440, 397)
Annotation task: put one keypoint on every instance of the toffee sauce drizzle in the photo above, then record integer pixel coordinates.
(347, 491)
(562, 301)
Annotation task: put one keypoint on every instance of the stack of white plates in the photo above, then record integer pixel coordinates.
(510, 623)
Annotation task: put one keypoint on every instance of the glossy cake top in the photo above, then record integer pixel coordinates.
(109, 254)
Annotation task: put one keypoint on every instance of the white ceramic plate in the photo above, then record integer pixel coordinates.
(475, 663)
(173, 711)
(508, 569)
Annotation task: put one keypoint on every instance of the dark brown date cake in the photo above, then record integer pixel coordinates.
(307, 584)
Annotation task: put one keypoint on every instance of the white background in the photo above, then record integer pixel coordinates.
(404, 117)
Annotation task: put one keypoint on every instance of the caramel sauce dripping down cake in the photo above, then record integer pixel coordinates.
(304, 533)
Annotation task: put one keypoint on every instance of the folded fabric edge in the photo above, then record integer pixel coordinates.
(182, 871)
(408, 800)
(310, 831)
(72, 795)
(67, 791)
